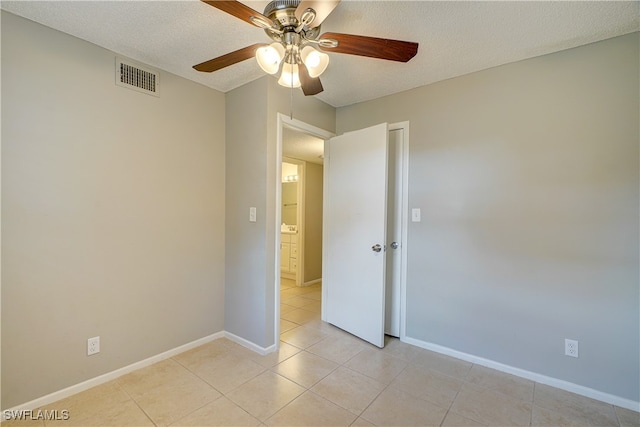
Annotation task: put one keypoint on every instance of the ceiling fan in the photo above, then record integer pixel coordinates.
(294, 25)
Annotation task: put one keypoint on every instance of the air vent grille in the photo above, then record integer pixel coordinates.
(137, 78)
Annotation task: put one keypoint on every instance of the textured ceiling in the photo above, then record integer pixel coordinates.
(299, 145)
(455, 37)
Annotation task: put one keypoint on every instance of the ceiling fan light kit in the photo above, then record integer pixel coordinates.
(294, 26)
(315, 61)
(269, 57)
(290, 76)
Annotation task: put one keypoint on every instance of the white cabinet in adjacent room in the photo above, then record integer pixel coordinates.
(289, 255)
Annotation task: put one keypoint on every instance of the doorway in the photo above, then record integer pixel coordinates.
(397, 217)
(298, 246)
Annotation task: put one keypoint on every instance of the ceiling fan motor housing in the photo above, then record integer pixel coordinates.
(283, 15)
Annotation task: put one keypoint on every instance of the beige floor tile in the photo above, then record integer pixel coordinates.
(305, 368)
(489, 408)
(167, 391)
(300, 316)
(505, 384)
(440, 362)
(574, 407)
(335, 332)
(138, 382)
(23, 420)
(627, 417)
(104, 405)
(396, 348)
(541, 417)
(303, 336)
(227, 371)
(377, 365)
(286, 308)
(284, 352)
(286, 325)
(315, 306)
(293, 292)
(203, 352)
(265, 395)
(349, 389)
(396, 408)
(287, 283)
(361, 422)
(428, 385)
(316, 295)
(326, 328)
(454, 420)
(339, 349)
(221, 412)
(299, 301)
(239, 350)
(311, 410)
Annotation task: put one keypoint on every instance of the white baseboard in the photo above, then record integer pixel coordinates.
(101, 379)
(542, 379)
(250, 345)
(312, 282)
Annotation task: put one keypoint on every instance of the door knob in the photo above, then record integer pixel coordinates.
(395, 245)
(376, 248)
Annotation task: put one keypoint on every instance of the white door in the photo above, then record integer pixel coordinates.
(355, 232)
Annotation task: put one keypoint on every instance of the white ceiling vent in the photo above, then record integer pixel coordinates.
(133, 76)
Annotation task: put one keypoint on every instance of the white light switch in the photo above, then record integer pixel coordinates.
(252, 214)
(415, 215)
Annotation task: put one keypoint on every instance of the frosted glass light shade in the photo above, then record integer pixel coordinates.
(315, 61)
(269, 57)
(289, 76)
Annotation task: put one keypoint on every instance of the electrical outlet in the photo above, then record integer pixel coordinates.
(570, 348)
(93, 346)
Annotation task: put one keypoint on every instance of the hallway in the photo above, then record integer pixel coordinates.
(298, 305)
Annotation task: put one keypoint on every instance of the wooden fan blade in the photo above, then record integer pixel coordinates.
(310, 86)
(228, 59)
(322, 7)
(240, 11)
(373, 47)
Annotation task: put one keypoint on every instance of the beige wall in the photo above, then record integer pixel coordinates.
(246, 168)
(313, 223)
(112, 213)
(527, 176)
(252, 179)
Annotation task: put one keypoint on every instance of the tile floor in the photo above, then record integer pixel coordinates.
(324, 376)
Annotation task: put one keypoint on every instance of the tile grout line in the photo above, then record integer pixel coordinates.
(286, 404)
(533, 400)
(135, 402)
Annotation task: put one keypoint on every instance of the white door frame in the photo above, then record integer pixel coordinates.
(403, 165)
(282, 121)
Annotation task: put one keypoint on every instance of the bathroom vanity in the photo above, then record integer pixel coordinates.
(289, 254)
